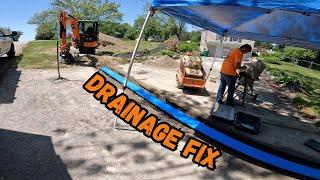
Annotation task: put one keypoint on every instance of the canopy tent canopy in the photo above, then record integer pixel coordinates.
(290, 22)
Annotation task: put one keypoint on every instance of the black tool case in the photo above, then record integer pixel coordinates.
(247, 122)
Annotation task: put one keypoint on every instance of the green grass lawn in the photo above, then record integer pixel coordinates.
(39, 54)
(42, 54)
(305, 79)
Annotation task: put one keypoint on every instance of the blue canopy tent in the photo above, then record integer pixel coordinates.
(290, 22)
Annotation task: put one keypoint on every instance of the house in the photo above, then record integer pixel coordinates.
(210, 41)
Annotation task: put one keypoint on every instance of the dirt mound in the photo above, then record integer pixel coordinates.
(164, 62)
(111, 43)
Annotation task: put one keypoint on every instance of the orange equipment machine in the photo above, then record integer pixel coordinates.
(190, 73)
(85, 35)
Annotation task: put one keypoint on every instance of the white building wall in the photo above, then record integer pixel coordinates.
(210, 41)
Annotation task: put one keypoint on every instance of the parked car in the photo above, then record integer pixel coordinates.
(6, 44)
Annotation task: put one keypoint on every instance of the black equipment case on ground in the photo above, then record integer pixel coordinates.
(247, 122)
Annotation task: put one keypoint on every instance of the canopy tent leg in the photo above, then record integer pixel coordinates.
(215, 56)
(150, 13)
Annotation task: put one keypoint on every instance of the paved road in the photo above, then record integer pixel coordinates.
(55, 130)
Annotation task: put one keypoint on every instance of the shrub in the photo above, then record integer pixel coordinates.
(273, 58)
(167, 52)
(301, 99)
(188, 47)
(172, 44)
(195, 36)
(45, 32)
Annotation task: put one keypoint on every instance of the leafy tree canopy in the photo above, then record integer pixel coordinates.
(100, 10)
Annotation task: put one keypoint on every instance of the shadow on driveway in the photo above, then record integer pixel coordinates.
(8, 86)
(29, 156)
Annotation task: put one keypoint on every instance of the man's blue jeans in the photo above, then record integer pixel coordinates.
(230, 81)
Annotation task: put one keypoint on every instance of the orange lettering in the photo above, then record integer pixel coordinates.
(135, 115)
(148, 125)
(118, 103)
(172, 139)
(95, 83)
(105, 93)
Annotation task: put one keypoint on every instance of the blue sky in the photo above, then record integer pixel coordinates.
(16, 13)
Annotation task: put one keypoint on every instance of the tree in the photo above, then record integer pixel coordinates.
(124, 28)
(299, 53)
(115, 29)
(45, 32)
(104, 11)
(92, 10)
(176, 27)
(132, 33)
(195, 36)
(160, 26)
(46, 22)
(152, 30)
(44, 17)
(170, 26)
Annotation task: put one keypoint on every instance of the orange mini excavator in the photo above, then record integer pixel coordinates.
(85, 36)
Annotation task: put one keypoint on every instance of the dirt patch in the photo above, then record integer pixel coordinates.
(163, 62)
(98, 61)
(109, 43)
(110, 61)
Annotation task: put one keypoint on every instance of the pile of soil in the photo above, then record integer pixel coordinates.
(109, 43)
(109, 61)
(165, 62)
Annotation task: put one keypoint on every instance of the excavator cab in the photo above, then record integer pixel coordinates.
(88, 31)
